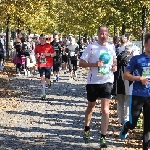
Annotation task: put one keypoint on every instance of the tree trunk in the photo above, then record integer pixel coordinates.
(115, 30)
(143, 25)
(8, 36)
(123, 29)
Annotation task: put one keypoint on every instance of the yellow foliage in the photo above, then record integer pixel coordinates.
(71, 16)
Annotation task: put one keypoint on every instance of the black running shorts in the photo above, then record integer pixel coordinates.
(64, 59)
(46, 71)
(95, 91)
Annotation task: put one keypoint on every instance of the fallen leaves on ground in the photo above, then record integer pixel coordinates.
(134, 139)
(8, 102)
(9, 70)
(7, 96)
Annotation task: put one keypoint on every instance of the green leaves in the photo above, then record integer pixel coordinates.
(73, 16)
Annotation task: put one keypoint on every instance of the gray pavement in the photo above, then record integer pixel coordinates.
(28, 123)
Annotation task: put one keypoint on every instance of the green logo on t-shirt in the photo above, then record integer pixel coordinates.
(105, 69)
(146, 72)
(105, 57)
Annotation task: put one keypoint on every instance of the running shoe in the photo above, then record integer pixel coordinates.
(43, 96)
(123, 132)
(103, 143)
(86, 136)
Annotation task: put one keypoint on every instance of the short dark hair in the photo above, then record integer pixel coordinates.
(42, 35)
(102, 26)
(23, 39)
(147, 37)
(116, 39)
(55, 34)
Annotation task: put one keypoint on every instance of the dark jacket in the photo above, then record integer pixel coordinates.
(18, 47)
(1, 49)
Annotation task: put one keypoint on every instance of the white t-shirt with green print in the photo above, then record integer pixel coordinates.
(95, 52)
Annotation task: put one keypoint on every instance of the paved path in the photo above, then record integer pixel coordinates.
(28, 123)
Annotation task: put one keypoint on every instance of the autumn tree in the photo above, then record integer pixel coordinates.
(75, 16)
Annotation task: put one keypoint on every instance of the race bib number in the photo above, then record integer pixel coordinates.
(42, 60)
(103, 70)
(56, 48)
(146, 72)
(72, 53)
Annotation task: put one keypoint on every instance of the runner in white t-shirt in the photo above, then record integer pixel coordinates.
(100, 57)
(95, 52)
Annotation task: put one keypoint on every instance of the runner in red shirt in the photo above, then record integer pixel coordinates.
(44, 53)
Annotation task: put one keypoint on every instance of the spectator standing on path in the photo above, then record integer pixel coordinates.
(100, 57)
(44, 53)
(31, 60)
(17, 58)
(3, 40)
(116, 43)
(140, 90)
(122, 89)
(124, 54)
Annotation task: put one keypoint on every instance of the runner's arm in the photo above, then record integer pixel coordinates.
(84, 64)
(51, 53)
(114, 66)
(130, 77)
(84, 60)
(115, 61)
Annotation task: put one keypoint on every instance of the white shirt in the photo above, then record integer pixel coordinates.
(92, 54)
(136, 50)
(121, 48)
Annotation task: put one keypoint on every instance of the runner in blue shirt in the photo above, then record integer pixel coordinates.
(138, 71)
